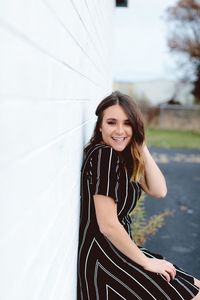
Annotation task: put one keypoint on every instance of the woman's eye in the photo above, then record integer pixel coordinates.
(128, 123)
(111, 123)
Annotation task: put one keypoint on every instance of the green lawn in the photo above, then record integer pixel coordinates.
(173, 138)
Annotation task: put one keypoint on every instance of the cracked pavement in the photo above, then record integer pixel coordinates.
(179, 239)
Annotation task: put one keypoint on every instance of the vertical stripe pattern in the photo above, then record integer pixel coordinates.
(104, 273)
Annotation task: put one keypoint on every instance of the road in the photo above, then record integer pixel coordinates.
(179, 239)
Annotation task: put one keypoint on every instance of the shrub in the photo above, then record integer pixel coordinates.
(141, 227)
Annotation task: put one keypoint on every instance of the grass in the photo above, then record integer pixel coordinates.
(173, 138)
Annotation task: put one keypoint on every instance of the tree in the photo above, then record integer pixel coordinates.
(184, 38)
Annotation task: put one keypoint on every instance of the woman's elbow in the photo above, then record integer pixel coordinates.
(161, 193)
(107, 229)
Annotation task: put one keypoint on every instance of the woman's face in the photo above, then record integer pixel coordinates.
(116, 129)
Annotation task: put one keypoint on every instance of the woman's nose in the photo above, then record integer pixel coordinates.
(120, 129)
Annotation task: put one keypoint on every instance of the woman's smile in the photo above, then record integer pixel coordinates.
(116, 129)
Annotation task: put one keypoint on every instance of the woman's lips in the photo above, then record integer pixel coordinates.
(118, 139)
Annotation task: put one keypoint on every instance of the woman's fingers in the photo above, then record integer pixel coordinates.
(171, 270)
(166, 275)
(174, 271)
(162, 267)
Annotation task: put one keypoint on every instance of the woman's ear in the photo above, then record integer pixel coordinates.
(100, 129)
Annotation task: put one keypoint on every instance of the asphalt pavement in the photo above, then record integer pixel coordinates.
(179, 239)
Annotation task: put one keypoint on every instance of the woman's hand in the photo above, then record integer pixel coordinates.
(161, 266)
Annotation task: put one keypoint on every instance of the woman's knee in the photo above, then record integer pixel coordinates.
(197, 297)
(197, 282)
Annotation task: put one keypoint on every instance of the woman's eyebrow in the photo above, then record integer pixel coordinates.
(113, 119)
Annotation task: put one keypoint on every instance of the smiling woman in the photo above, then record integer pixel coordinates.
(116, 128)
(125, 117)
(116, 167)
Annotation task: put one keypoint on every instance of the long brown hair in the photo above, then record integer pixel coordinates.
(132, 154)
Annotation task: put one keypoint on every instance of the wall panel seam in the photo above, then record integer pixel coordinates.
(37, 150)
(73, 38)
(34, 45)
(91, 39)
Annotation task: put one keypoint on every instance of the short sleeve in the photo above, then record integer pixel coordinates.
(106, 173)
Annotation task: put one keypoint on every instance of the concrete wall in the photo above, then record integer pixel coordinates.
(55, 65)
(172, 116)
(179, 117)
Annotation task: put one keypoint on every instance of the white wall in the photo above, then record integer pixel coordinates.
(55, 65)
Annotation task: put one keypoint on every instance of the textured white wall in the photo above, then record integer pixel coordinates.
(55, 65)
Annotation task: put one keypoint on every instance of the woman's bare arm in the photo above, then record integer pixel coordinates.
(153, 182)
(112, 229)
(109, 225)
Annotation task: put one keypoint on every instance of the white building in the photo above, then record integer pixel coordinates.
(157, 91)
(55, 65)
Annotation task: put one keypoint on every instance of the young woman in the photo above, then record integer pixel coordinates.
(116, 167)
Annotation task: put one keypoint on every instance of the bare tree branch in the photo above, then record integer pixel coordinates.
(184, 37)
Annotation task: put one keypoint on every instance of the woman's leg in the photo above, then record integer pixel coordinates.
(197, 297)
(197, 283)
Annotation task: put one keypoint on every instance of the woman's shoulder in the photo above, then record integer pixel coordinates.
(102, 157)
(101, 149)
(102, 154)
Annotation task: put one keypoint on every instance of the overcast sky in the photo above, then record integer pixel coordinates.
(140, 49)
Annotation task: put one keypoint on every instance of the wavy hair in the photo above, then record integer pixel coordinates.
(132, 153)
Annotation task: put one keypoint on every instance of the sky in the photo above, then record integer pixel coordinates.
(140, 46)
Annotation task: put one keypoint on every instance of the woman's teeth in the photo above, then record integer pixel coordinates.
(119, 139)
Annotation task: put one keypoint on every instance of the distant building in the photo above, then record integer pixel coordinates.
(156, 91)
